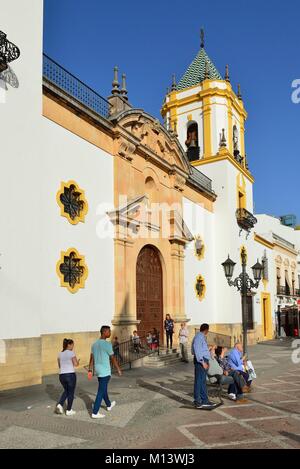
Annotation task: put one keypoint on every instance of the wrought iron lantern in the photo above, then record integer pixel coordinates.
(8, 52)
(199, 247)
(200, 287)
(257, 270)
(244, 284)
(228, 266)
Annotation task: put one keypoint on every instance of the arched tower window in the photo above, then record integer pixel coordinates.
(236, 147)
(192, 141)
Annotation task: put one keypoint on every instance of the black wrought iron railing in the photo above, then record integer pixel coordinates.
(286, 291)
(66, 81)
(201, 179)
(245, 219)
(134, 349)
(281, 290)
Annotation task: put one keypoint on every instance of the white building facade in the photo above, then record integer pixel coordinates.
(78, 168)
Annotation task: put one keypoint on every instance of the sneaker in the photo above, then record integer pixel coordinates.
(71, 412)
(113, 403)
(197, 405)
(59, 409)
(98, 416)
(232, 396)
(209, 404)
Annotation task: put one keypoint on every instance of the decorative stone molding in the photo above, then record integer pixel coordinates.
(179, 231)
(72, 202)
(126, 149)
(72, 270)
(177, 181)
(278, 260)
(154, 137)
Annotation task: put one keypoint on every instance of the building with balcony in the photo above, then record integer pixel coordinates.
(124, 219)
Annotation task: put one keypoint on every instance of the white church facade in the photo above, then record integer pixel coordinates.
(110, 217)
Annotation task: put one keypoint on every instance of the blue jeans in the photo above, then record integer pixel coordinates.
(228, 380)
(200, 391)
(68, 381)
(102, 394)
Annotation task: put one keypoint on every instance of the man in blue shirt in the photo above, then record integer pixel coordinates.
(201, 359)
(236, 363)
(102, 354)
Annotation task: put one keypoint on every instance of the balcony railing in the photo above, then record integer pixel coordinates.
(201, 179)
(245, 219)
(60, 77)
(285, 291)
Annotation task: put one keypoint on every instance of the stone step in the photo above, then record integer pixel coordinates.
(164, 357)
(159, 361)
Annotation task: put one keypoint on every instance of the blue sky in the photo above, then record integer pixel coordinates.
(150, 40)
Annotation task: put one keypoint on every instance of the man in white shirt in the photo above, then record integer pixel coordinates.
(183, 342)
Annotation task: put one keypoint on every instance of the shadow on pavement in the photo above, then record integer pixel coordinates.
(165, 392)
(291, 436)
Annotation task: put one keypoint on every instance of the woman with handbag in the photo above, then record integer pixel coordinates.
(169, 328)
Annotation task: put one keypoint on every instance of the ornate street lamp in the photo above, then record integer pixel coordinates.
(8, 51)
(244, 284)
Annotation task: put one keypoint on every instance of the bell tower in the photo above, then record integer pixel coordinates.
(206, 113)
(208, 117)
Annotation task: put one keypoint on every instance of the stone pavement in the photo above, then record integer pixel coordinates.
(154, 411)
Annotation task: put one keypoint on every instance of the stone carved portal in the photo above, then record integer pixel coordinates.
(149, 291)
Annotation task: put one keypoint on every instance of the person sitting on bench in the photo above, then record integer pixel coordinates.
(216, 374)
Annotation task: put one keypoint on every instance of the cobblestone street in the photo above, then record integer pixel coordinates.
(154, 411)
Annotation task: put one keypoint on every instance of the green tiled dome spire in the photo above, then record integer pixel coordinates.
(195, 74)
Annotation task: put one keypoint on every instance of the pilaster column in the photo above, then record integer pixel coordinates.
(242, 127)
(207, 127)
(230, 130)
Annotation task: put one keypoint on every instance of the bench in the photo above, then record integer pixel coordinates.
(215, 389)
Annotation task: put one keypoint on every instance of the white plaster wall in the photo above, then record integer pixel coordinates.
(66, 157)
(200, 222)
(228, 239)
(268, 224)
(256, 252)
(20, 117)
(219, 84)
(36, 155)
(190, 92)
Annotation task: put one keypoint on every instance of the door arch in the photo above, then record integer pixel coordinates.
(149, 291)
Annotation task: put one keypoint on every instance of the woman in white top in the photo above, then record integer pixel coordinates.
(67, 361)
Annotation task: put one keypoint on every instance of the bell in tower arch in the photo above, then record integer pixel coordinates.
(192, 141)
